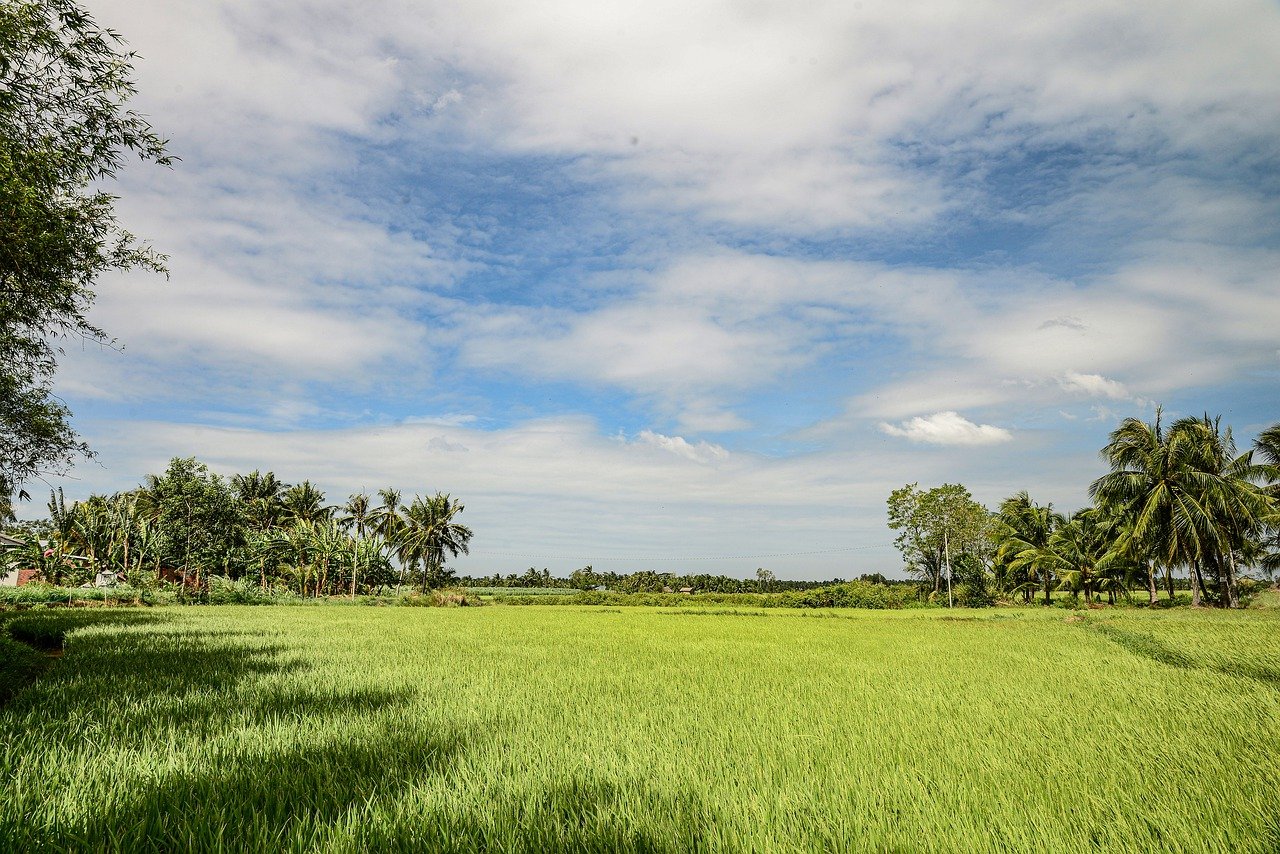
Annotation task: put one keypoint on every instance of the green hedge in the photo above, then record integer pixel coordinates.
(853, 594)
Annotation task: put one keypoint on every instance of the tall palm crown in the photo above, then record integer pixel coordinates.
(430, 535)
(1267, 450)
(262, 495)
(357, 514)
(1190, 499)
(305, 503)
(1023, 533)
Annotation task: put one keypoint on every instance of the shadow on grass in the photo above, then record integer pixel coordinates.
(30, 642)
(1153, 648)
(580, 815)
(246, 777)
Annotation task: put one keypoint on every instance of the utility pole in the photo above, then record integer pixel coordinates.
(946, 550)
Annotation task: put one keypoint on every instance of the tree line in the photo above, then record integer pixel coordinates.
(189, 524)
(1179, 499)
(650, 581)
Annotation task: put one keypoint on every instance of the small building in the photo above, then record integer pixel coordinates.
(13, 577)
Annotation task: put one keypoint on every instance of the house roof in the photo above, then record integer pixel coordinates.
(8, 542)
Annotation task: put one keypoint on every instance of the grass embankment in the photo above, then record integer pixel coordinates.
(642, 729)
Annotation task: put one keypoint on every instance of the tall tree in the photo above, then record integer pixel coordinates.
(1267, 449)
(1190, 499)
(65, 129)
(357, 513)
(937, 525)
(1023, 533)
(262, 497)
(197, 516)
(1226, 487)
(430, 536)
(303, 502)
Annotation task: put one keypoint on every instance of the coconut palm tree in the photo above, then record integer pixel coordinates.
(1189, 499)
(1150, 485)
(357, 514)
(1227, 486)
(305, 503)
(1267, 454)
(262, 496)
(1023, 530)
(1084, 549)
(430, 536)
(386, 520)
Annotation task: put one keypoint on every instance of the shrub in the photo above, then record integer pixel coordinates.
(450, 597)
(19, 666)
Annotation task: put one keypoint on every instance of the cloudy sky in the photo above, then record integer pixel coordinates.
(688, 285)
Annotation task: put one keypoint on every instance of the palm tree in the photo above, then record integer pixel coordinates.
(262, 496)
(1189, 499)
(1237, 509)
(1267, 449)
(1148, 486)
(305, 503)
(385, 519)
(430, 534)
(1023, 531)
(356, 514)
(1083, 548)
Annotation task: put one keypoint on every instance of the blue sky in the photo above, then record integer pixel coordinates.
(650, 285)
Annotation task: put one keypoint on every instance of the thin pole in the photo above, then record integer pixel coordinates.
(946, 548)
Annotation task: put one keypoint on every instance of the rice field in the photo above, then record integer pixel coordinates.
(580, 729)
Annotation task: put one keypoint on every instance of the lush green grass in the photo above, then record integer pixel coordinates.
(345, 729)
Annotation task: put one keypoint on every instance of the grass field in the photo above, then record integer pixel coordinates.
(559, 728)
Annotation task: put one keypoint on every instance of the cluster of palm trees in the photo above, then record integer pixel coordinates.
(1179, 498)
(258, 529)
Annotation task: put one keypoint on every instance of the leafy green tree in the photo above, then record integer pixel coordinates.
(1235, 508)
(1084, 550)
(262, 496)
(197, 514)
(64, 131)
(935, 526)
(584, 579)
(1190, 499)
(1267, 450)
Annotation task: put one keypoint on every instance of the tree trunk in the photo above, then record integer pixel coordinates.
(1048, 600)
(1168, 580)
(1232, 599)
(1196, 586)
(1151, 584)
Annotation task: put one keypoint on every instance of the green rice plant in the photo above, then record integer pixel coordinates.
(589, 729)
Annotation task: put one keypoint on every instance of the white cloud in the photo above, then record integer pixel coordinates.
(947, 428)
(561, 486)
(1094, 385)
(700, 452)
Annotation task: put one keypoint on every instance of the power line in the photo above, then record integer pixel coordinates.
(650, 558)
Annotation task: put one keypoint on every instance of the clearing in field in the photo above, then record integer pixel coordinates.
(559, 728)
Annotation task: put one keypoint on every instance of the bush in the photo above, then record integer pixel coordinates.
(19, 666)
(450, 597)
(224, 591)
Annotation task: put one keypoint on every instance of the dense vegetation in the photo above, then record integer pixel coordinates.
(188, 526)
(1178, 498)
(1180, 508)
(643, 730)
